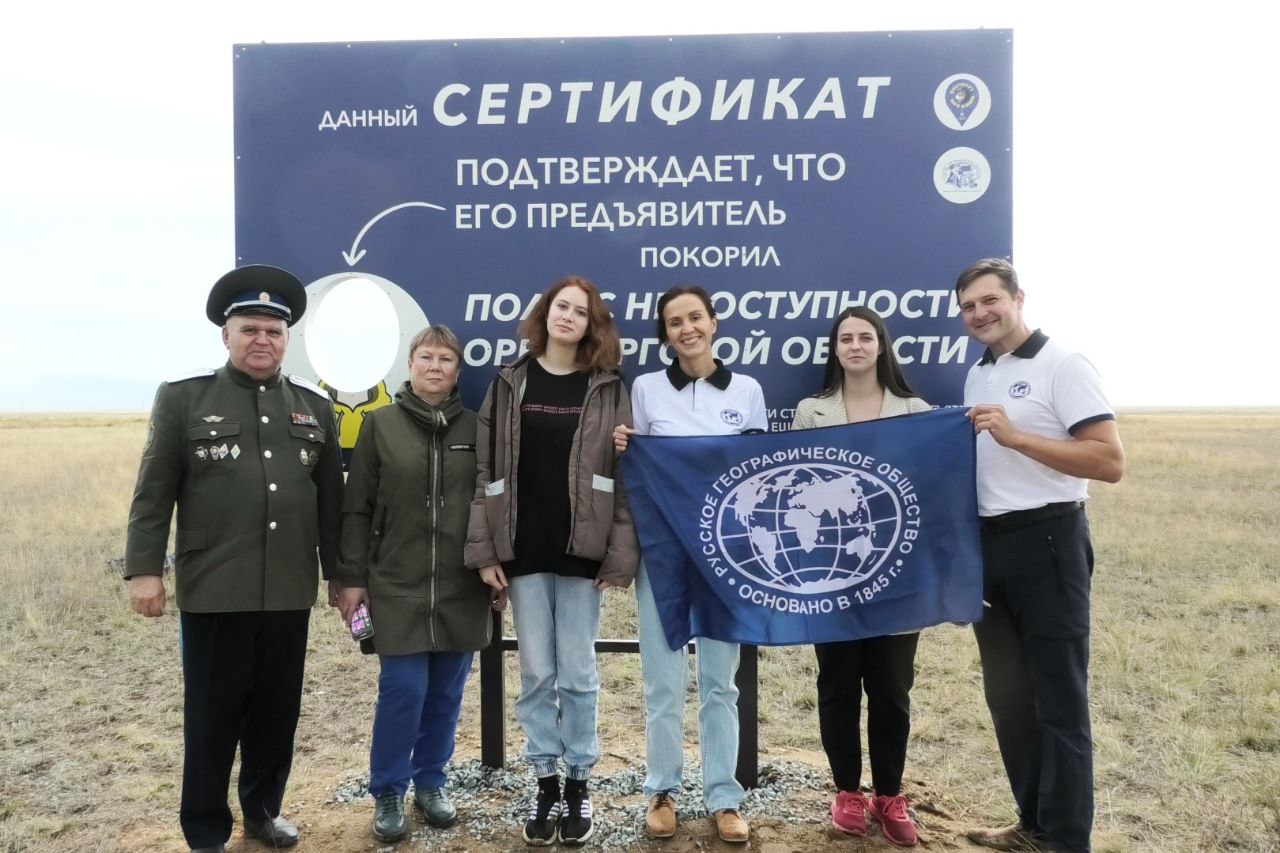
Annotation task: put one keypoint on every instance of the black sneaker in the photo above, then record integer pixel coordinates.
(575, 824)
(540, 828)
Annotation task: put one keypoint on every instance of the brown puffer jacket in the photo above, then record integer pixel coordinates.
(599, 517)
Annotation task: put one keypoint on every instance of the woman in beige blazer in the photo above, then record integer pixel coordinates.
(863, 381)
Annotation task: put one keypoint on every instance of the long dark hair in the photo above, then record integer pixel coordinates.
(888, 371)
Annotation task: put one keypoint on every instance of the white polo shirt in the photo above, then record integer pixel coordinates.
(670, 402)
(1045, 389)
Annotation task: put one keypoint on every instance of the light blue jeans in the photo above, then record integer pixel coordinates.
(666, 673)
(557, 620)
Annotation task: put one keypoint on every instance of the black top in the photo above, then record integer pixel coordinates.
(550, 410)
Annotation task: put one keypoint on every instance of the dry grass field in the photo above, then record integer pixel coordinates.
(1186, 662)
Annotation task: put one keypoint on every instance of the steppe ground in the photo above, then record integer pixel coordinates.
(1185, 677)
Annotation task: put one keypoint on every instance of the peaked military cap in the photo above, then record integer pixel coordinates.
(257, 289)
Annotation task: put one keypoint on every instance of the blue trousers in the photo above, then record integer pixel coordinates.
(419, 697)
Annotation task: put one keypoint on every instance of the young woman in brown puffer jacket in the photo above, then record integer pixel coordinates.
(550, 525)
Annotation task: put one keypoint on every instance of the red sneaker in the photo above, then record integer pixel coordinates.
(849, 813)
(895, 823)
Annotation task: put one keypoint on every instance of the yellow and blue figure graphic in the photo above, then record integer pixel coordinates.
(350, 409)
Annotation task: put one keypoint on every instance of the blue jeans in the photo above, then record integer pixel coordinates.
(557, 619)
(665, 675)
(419, 697)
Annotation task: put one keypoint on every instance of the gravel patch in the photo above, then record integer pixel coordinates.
(493, 804)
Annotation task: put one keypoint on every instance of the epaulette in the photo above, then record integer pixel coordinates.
(309, 385)
(202, 373)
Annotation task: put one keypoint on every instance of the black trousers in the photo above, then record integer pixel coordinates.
(243, 684)
(1034, 643)
(885, 668)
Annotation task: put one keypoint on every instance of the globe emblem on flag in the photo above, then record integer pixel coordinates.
(811, 528)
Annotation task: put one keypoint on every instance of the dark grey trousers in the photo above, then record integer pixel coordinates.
(1034, 643)
(885, 668)
(242, 675)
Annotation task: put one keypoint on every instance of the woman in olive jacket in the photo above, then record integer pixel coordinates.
(404, 523)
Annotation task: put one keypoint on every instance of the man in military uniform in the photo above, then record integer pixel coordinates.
(251, 459)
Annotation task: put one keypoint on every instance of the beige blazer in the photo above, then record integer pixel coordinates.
(829, 411)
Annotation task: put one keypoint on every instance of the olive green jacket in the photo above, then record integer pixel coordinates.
(254, 469)
(404, 522)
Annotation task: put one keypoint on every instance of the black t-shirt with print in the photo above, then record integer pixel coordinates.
(550, 410)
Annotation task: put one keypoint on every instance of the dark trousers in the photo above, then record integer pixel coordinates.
(1034, 643)
(243, 684)
(885, 668)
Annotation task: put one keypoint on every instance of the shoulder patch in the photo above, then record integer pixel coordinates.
(202, 373)
(308, 384)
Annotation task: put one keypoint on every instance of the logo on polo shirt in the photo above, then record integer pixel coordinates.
(732, 417)
(1018, 390)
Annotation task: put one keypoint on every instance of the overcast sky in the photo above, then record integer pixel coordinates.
(1144, 175)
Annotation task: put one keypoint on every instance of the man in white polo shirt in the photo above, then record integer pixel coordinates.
(1044, 430)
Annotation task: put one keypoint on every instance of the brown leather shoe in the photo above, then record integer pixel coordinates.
(1013, 837)
(660, 819)
(731, 827)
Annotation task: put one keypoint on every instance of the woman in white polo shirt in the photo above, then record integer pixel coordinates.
(696, 395)
(863, 382)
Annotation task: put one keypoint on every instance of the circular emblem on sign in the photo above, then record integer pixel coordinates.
(962, 101)
(809, 528)
(1019, 389)
(962, 175)
(732, 417)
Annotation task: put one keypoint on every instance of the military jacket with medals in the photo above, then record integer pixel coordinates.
(254, 469)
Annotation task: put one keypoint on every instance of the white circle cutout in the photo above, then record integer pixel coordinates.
(351, 334)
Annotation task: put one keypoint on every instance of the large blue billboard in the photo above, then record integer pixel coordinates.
(790, 175)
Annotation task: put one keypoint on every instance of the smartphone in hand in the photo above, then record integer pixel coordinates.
(361, 624)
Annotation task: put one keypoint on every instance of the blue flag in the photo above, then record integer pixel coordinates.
(810, 536)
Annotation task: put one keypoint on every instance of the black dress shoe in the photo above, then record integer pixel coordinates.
(274, 831)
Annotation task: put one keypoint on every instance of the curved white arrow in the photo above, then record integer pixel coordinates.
(353, 257)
